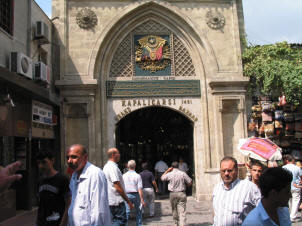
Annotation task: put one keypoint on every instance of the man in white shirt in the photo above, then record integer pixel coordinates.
(88, 187)
(116, 189)
(178, 182)
(160, 168)
(295, 190)
(134, 189)
(274, 184)
(233, 198)
(183, 166)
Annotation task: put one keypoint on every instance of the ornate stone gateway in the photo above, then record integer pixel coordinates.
(147, 134)
(170, 67)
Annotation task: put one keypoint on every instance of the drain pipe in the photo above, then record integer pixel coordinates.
(29, 30)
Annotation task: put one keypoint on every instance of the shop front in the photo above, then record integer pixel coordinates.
(26, 126)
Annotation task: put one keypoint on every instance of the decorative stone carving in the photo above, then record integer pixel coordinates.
(183, 61)
(86, 18)
(152, 53)
(122, 63)
(215, 20)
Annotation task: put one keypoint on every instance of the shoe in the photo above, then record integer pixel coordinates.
(295, 220)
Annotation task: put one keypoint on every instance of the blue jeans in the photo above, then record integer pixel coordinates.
(118, 213)
(135, 199)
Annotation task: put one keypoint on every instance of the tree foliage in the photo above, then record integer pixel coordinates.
(274, 69)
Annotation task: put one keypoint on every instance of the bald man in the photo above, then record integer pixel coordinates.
(116, 189)
(88, 186)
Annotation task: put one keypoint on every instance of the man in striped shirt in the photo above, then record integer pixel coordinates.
(233, 198)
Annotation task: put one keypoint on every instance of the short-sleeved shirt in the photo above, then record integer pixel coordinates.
(133, 181)
(113, 174)
(52, 194)
(232, 205)
(259, 217)
(296, 172)
(161, 166)
(147, 178)
(177, 180)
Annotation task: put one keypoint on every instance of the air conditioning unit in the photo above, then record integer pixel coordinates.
(42, 72)
(42, 32)
(21, 64)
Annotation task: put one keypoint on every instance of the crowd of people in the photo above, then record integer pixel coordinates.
(91, 196)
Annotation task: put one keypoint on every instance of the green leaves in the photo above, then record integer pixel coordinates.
(273, 70)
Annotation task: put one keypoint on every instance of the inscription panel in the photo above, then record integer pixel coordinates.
(164, 88)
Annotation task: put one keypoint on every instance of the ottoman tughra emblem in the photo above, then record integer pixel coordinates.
(86, 18)
(152, 53)
(215, 20)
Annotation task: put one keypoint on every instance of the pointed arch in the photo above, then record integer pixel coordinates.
(135, 15)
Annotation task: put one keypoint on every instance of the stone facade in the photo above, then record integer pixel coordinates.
(204, 41)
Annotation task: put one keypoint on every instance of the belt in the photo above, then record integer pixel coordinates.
(132, 193)
(177, 191)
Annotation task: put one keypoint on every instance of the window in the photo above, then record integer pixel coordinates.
(6, 15)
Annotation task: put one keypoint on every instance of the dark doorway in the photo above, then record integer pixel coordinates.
(150, 133)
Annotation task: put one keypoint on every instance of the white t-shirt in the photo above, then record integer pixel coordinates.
(113, 174)
(161, 166)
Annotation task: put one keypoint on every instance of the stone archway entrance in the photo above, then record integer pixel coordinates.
(153, 132)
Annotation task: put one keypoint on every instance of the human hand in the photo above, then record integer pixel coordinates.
(143, 203)
(169, 170)
(156, 190)
(8, 176)
(130, 204)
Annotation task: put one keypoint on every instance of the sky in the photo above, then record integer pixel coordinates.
(266, 21)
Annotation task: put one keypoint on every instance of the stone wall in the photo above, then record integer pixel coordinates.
(210, 33)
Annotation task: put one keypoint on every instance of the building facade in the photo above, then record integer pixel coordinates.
(154, 78)
(28, 98)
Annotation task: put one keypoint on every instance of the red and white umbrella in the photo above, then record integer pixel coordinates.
(261, 149)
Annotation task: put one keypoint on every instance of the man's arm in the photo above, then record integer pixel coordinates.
(297, 185)
(155, 186)
(120, 190)
(100, 211)
(141, 196)
(188, 180)
(163, 177)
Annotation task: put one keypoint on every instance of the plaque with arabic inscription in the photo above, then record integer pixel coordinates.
(164, 88)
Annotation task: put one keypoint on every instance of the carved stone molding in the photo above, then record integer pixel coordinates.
(215, 20)
(86, 18)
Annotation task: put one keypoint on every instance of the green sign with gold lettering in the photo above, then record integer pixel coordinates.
(158, 88)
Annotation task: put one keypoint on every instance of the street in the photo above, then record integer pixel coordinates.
(198, 214)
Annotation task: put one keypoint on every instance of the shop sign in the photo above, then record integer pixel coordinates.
(21, 127)
(156, 88)
(128, 104)
(42, 113)
(148, 102)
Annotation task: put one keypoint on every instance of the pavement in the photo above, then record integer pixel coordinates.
(198, 214)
